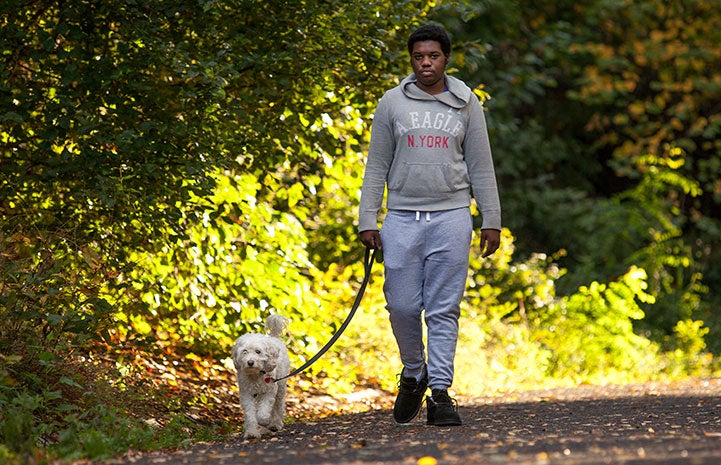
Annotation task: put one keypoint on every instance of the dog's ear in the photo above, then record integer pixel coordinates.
(235, 353)
(269, 365)
(272, 359)
(276, 352)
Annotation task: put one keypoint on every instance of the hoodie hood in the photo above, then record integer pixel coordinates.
(458, 95)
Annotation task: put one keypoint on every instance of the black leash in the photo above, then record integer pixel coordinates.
(368, 265)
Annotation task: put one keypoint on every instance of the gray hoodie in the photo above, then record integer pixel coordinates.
(432, 151)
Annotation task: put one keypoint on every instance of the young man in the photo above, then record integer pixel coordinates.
(429, 145)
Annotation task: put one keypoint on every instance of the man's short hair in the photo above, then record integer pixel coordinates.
(430, 32)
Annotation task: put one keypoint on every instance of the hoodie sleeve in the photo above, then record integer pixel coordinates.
(477, 149)
(380, 156)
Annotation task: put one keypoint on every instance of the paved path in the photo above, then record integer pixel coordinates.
(676, 423)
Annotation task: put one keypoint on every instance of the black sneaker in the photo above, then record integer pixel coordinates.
(442, 410)
(410, 397)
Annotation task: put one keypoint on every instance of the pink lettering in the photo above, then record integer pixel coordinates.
(428, 142)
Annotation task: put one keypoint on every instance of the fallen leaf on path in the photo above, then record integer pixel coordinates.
(427, 461)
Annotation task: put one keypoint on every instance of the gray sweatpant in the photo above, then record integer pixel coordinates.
(426, 266)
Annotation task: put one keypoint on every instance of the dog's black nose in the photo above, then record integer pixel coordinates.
(251, 363)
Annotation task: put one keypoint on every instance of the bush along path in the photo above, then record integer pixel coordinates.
(655, 423)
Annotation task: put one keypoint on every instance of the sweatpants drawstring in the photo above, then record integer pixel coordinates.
(428, 216)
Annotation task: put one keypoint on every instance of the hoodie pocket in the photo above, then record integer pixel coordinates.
(430, 180)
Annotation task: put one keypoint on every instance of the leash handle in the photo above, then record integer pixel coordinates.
(368, 266)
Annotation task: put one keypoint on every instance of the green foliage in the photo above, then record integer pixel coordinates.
(688, 356)
(49, 290)
(517, 331)
(73, 411)
(205, 290)
(17, 426)
(118, 119)
(604, 137)
(591, 332)
(496, 340)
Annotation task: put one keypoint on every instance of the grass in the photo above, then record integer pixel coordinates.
(97, 407)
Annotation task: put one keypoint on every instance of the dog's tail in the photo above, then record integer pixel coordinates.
(275, 325)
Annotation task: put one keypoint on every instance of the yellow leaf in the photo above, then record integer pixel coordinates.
(427, 460)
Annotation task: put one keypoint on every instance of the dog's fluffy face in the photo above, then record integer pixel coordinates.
(255, 354)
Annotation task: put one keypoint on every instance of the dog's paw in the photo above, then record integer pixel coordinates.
(252, 434)
(275, 427)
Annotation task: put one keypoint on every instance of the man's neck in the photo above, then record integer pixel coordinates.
(437, 87)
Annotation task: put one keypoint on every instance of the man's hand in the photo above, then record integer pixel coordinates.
(371, 239)
(490, 241)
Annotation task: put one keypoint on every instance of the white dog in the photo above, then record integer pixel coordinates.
(259, 360)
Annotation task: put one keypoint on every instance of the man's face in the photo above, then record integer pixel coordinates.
(429, 64)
